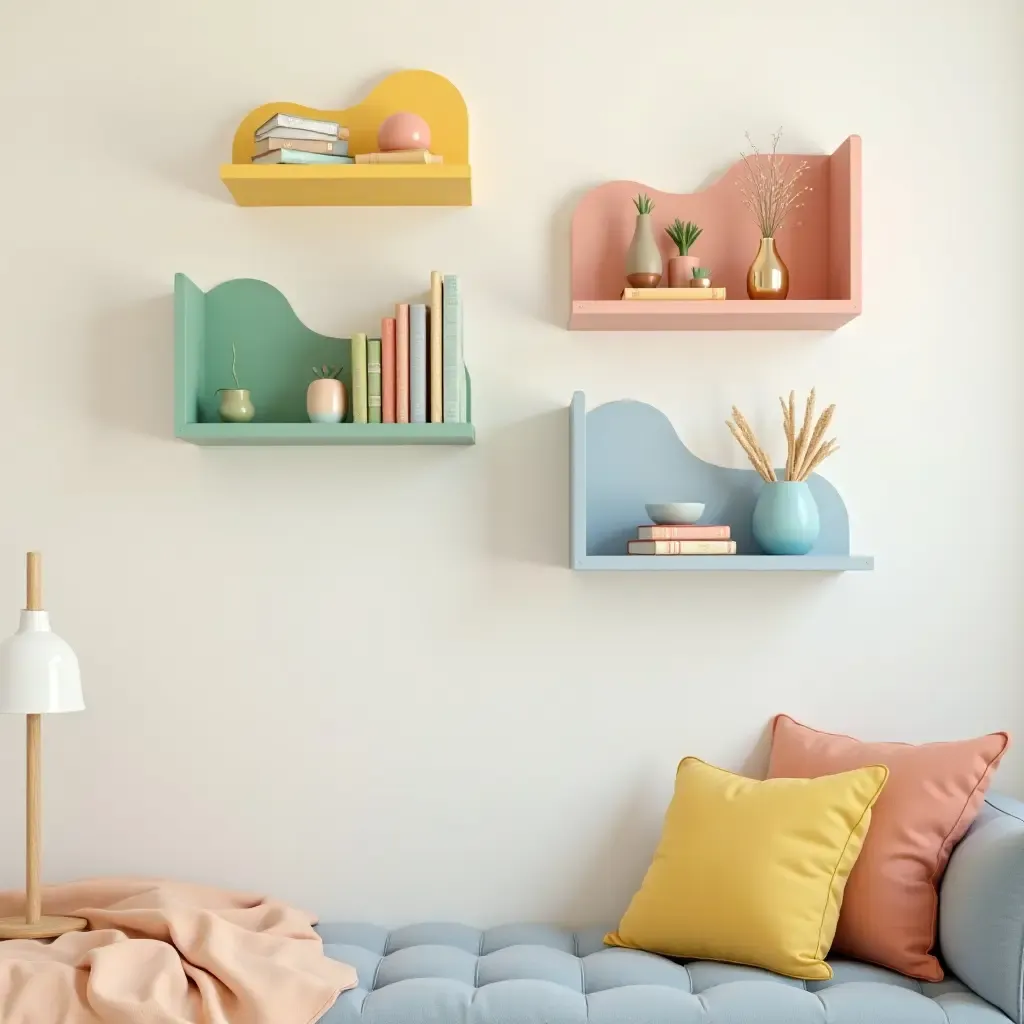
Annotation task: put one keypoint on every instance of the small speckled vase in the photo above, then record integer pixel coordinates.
(643, 260)
(326, 401)
(235, 405)
(786, 518)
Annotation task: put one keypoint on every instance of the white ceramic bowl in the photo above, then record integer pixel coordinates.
(675, 513)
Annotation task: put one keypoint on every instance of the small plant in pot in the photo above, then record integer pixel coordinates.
(235, 403)
(681, 267)
(643, 259)
(701, 278)
(326, 401)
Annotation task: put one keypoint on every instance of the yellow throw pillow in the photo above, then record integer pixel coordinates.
(752, 872)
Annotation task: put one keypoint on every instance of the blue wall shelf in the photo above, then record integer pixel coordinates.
(625, 454)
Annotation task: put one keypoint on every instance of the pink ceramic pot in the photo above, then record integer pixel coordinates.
(680, 270)
(403, 131)
(326, 401)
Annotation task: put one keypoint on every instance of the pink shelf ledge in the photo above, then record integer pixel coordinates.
(821, 243)
(718, 315)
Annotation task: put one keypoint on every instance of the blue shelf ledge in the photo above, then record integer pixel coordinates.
(625, 454)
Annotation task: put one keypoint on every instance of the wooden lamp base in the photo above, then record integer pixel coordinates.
(44, 928)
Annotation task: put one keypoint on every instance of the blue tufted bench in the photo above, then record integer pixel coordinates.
(538, 974)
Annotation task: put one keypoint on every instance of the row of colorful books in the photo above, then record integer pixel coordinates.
(288, 139)
(415, 371)
(682, 540)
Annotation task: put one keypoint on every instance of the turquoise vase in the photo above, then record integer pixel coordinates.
(786, 519)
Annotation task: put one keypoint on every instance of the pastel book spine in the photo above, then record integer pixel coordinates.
(683, 533)
(400, 156)
(309, 124)
(672, 294)
(301, 133)
(682, 547)
(295, 156)
(402, 362)
(373, 402)
(336, 147)
(387, 369)
(359, 407)
(452, 368)
(417, 363)
(436, 349)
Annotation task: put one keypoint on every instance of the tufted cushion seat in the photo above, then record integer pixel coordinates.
(535, 974)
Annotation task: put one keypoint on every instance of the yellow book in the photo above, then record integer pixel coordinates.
(436, 350)
(673, 294)
(400, 156)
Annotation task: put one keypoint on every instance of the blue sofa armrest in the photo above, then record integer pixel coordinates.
(981, 907)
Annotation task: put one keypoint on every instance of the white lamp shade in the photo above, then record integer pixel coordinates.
(38, 671)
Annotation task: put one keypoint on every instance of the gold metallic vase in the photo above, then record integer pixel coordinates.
(768, 276)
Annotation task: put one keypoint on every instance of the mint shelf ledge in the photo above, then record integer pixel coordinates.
(275, 354)
(625, 454)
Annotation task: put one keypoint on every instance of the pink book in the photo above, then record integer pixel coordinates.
(683, 533)
(402, 362)
(387, 369)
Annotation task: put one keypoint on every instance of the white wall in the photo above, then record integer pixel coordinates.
(364, 679)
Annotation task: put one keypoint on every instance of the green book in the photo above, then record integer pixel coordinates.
(373, 380)
(359, 407)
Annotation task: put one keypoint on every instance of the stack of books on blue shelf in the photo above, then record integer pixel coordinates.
(682, 540)
(415, 371)
(288, 139)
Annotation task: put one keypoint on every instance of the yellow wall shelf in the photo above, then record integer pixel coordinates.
(431, 96)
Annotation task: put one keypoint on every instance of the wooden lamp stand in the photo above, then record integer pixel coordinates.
(26, 689)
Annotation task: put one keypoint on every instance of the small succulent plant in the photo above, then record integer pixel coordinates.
(684, 234)
(701, 272)
(643, 203)
(326, 372)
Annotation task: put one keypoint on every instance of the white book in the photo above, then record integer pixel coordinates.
(452, 370)
(309, 124)
(417, 363)
(297, 133)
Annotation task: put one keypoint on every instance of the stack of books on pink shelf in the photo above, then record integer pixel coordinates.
(682, 540)
(415, 371)
(288, 139)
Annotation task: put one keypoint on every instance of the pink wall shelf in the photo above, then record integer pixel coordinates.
(821, 244)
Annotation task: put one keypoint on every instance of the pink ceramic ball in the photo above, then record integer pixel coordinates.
(403, 131)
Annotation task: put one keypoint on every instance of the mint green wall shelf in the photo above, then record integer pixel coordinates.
(275, 356)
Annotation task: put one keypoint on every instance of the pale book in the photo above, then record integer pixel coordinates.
(682, 533)
(337, 147)
(672, 294)
(302, 133)
(400, 156)
(309, 124)
(682, 547)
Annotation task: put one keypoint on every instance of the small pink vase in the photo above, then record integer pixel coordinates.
(326, 401)
(680, 270)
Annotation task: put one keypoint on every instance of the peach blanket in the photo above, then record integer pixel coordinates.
(168, 953)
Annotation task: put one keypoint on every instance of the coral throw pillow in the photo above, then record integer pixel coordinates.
(752, 872)
(933, 794)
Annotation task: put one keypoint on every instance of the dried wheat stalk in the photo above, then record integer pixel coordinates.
(805, 450)
(747, 440)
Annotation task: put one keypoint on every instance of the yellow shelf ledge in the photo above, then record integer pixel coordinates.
(430, 95)
(348, 185)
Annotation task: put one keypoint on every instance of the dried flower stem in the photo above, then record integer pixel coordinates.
(805, 431)
(770, 191)
(823, 453)
(812, 448)
(755, 455)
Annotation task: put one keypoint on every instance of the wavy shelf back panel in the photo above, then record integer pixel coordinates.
(626, 454)
(425, 93)
(275, 356)
(821, 244)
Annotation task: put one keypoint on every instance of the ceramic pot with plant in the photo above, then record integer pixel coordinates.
(681, 267)
(235, 403)
(770, 190)
(701, 278)
(785, 519)
(326, 401)
(643, 260)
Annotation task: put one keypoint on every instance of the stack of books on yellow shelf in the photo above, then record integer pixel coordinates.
(287, 139)
(682, 540)
(672, 294)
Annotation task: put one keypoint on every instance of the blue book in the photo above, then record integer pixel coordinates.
(417, 362)
(300, 156)
(452, 371)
